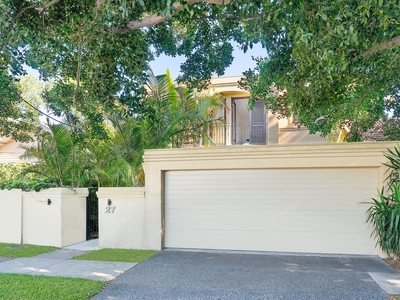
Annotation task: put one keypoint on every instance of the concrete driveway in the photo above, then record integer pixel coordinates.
(224, 275)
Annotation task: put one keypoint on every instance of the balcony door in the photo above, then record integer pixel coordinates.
(248, 125)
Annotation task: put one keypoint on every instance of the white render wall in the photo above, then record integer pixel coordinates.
(28, 218)
(126, 224)
(10, 216)
(59, 224)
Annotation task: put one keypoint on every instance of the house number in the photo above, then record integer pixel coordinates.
(110, 209)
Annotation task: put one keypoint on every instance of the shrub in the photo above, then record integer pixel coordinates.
(384, 213)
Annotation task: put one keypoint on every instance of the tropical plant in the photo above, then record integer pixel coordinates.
(58, 156)
(117, 160)
(384, 213)
(394, 164)
(178, 116)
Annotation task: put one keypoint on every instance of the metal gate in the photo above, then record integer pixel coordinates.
(92, 215)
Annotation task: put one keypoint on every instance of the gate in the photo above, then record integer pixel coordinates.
(92, 215)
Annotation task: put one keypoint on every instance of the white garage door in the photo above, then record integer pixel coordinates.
(296, 210)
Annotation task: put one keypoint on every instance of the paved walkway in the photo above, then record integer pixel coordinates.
(59, 263)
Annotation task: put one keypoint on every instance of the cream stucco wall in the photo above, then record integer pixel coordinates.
(128, 225)
(10, 216)
(59, 224)
(354, 155)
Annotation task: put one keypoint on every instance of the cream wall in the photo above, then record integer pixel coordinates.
(289, 133)
(10, 216)
(59, 224)
(125, 226)
(354, 155)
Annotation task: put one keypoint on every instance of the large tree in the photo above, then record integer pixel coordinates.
(335, 59)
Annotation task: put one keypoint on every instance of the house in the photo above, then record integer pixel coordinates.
(11, 150)
(259, 126)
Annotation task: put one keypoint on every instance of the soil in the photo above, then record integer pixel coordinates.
(394, 263)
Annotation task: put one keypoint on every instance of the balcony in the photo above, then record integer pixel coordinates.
(239, 134)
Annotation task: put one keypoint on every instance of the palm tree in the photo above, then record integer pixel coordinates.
(58, 155)
(178, 116)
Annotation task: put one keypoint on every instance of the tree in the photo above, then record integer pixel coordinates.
(17, 119)
(335, 60)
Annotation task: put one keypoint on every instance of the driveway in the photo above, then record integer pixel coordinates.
(224, 275)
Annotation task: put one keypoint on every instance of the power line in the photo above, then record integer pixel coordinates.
(37, 109)
(50, 117)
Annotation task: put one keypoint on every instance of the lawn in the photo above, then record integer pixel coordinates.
(26, 287)
(118, 255)
(18, 250)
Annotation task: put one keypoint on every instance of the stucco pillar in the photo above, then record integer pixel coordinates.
(273, 129)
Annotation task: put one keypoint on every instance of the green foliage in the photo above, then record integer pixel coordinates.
(13, 171)
(16, 119)
(22, 176)
(177, 116)
(73, 155)
(384, 213)
(118, 255)
(27, 185)
(393, 164)
(25, 250)
(336, 60)
(330, 58)
(27, 287)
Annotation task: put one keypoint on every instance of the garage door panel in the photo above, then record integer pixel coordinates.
(278, 174)
(244, 209)
(296, 205)
(252, 185)
(335, 219)
(280, 223)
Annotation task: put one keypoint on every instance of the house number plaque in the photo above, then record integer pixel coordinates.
(110, 209)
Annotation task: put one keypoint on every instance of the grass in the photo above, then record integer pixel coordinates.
(26, 250)
(26, 287)
(118, 255)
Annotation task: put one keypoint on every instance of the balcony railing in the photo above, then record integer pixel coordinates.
(238, 134)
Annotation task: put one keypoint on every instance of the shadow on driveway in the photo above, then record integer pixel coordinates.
(218, 275)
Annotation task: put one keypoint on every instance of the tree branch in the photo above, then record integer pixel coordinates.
(155, 18)
(385, 45)
(46, 6)
(24, 10)
(78, 72)
(40, 9)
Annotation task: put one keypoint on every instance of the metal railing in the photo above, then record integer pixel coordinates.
(238, 134)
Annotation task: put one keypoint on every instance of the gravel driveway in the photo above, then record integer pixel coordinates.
(224, 275)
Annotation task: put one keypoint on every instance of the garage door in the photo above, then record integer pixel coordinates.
(289, 210)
